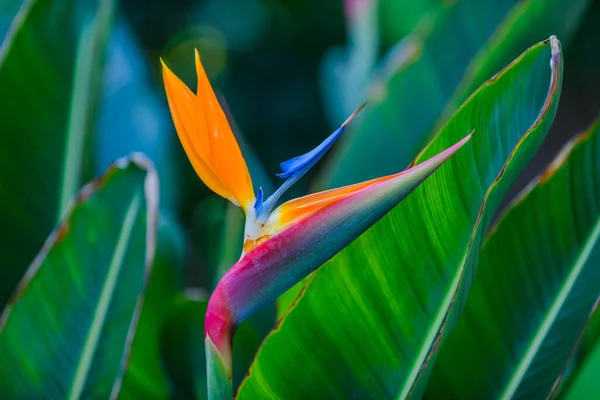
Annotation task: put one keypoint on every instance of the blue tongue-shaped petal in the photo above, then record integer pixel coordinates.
(294, 168)
(306, 161)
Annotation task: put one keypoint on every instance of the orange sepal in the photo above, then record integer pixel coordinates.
(223, 151)
(300, 208)
(207, 138)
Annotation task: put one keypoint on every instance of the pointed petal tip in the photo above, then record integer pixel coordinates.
(201, 74)
(259, 199)
(289, 166)
(166, 71)
(466, 138)
(452, 149)
(354, 114)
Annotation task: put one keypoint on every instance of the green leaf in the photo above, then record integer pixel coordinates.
(52, 57)
(182, 345)
(370, 321)
(434, 70)
(584, 383)
(286, 300)
(208, 232)
(145, 377)
(67, 330)
(411, 89)
(537, 281)
(589, 341)
(232, 240)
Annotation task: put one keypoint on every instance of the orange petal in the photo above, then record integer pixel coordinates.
(182, 103)
(299, 208)
(207, 138)
(215, 135)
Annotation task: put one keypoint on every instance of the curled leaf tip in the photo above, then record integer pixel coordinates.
(555, 49)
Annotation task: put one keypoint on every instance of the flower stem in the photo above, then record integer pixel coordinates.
(218, 337)
(218, 368)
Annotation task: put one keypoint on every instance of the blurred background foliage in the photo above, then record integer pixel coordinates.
(289, 71)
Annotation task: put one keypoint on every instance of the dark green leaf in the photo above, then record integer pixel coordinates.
(145, 377)
(536, 283)
(68, 328)
(583, 383)
(52, 57)
(411, 89)
(183, 345)
(370, 320)
(208, 230)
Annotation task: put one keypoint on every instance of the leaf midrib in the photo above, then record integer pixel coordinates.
(108, 288)
(517, 377)
(433, 333)
(88, 58)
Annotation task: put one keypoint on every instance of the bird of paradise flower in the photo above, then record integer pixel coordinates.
(284, 244)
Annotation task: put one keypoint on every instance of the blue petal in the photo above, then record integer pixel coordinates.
(306, 161)
(296, 167)
(259, 200)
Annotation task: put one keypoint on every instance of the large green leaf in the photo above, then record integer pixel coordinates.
(537, 281)
(145, 376)
(581, 372)
(434, 69)
(370, 320)
(67, 330)
(591, 336)
(584, 383)
(52, 57)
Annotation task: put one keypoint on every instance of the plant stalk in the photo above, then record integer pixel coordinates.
(218, 337)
